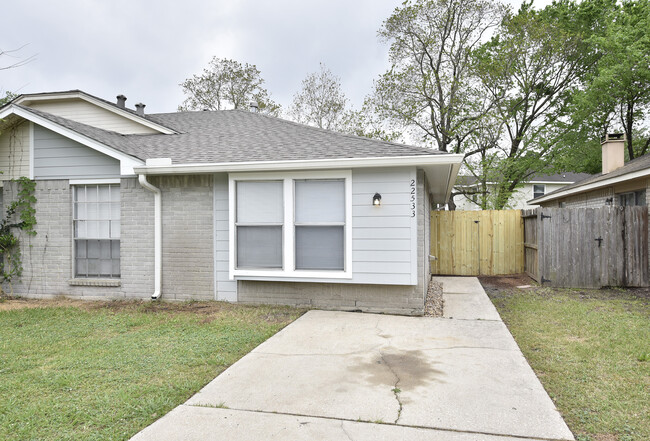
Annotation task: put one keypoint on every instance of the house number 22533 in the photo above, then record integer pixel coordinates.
(412, 195)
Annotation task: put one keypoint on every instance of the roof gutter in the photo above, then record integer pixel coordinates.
(157, 197)
(232, 167)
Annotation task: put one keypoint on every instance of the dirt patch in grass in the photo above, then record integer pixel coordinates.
(11, 303)
(208, 310)
(503, 286)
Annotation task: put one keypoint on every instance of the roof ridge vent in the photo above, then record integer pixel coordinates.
(139, 109)
(121, 101)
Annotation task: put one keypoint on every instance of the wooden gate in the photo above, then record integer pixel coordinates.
(587, 247)
(471, 243)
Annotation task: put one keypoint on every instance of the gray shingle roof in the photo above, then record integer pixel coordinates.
(637, 164)
(238, 136)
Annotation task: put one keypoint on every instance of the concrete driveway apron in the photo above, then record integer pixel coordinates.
(337, 375)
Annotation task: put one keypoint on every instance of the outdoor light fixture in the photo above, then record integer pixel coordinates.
(376, 199)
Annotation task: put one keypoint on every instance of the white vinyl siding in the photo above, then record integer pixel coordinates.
(225, 288)
(384, 238)
(92, 115)
(58, 157)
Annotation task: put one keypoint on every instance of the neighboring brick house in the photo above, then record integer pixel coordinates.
(227, 205)
(538, 185)
(619, 184)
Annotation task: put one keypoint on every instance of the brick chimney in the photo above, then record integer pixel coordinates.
(613, 151)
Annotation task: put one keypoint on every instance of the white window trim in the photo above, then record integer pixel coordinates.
(288, 237)
(543, 191)
(73, 277)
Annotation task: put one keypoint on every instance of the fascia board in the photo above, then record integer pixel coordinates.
(231, 167)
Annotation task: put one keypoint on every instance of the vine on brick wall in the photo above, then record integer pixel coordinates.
(20, 216)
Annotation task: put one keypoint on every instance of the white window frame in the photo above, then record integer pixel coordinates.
(89, 182)
(543, 190)
(288, 237)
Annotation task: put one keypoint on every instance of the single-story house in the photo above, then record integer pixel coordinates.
(619, 184)
(227, 205)
(538, 185)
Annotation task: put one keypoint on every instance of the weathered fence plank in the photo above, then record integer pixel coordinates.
(587, 247)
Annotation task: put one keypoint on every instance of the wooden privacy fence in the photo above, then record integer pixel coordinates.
(587, 247)
(472, 243)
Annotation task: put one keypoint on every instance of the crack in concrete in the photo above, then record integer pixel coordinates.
(412, 426)
(345, 431)
(396, 390)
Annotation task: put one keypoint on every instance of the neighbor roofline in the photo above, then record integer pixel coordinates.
(98, 102)
(558, 194)
(306, 164)
(523, 183)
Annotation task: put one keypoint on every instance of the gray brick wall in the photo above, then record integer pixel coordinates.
(187, 243)
(188, 256)
(47, 257)
(592, 199)
(137, 240)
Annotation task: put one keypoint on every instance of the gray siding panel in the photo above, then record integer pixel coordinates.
(57, 157)
(382, 236)
(226, 289)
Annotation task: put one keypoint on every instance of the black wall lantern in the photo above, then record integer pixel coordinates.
(376, 199)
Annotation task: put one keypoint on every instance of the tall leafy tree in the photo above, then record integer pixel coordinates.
(616, 94)
(430, 89)
(320, 102)
(227, 84)
(532, 67)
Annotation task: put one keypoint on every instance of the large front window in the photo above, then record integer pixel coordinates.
(96, 218)
(291, 226)
(260, 217)
(319, 224)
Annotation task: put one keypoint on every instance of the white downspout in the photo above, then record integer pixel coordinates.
(157, 198)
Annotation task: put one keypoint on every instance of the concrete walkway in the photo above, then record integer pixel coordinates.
(337, 375)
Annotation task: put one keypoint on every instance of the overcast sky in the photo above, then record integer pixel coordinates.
(144, 49)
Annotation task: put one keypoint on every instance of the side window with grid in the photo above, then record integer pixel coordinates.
(96, 218)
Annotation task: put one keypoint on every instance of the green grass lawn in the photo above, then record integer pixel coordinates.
(591, 350)
(104, 371)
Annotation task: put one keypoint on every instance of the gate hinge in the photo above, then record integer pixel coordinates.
(545, 216)
(543, 280)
